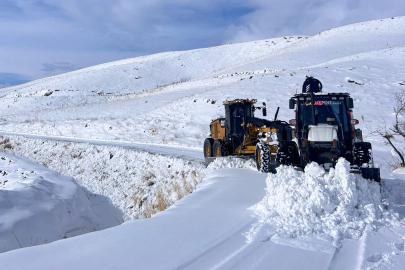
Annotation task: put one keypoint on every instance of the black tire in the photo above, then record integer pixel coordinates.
(287, 153)
(208, 144)
(362, 153)
(262, 157)
(219, 149)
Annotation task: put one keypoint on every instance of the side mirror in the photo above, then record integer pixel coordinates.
(264, 111)
(350, 104)
(292, 103)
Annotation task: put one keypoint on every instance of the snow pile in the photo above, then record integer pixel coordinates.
(338, 203)
(38, 206)
(229, 162)
(138, 183)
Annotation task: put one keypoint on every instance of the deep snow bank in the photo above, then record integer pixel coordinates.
(38, 206)
(337, 204)
(140, 184)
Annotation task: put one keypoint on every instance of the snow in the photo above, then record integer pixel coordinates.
(116, 185)
(337, 204)
(163, 104)
(206, 230)
(163, 108)
(133, 181)
(38, 205)
(202, 231)
(230, 162)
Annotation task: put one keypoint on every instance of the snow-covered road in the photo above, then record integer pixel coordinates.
(202, 231)
(187, 153)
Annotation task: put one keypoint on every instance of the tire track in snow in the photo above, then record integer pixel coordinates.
(351, 249)
(214, 250)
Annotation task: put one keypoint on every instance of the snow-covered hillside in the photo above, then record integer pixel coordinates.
(176, 94)
(170, 98)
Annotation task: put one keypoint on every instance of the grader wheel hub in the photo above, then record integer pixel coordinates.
(207, 150)
(217, 151)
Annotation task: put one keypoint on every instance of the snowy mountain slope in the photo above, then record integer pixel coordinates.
(146, 72)
(206, 230)
(178, 112)
(340, 42)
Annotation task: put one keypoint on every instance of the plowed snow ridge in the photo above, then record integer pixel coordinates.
(338, 204)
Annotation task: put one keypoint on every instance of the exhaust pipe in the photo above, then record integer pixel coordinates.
(275, 116)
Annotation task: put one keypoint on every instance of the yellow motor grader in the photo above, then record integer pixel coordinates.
(241, 134)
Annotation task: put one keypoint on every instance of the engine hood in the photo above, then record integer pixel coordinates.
(284, 130)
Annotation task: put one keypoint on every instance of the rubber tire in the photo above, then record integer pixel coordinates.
(263, 150)
(287, 154)
(208, 142)
(362, 153)
(223, 152)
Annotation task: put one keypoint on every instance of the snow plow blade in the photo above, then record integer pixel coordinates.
(368, 173)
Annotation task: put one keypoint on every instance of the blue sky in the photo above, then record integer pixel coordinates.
(8, 79)
(40, 38)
